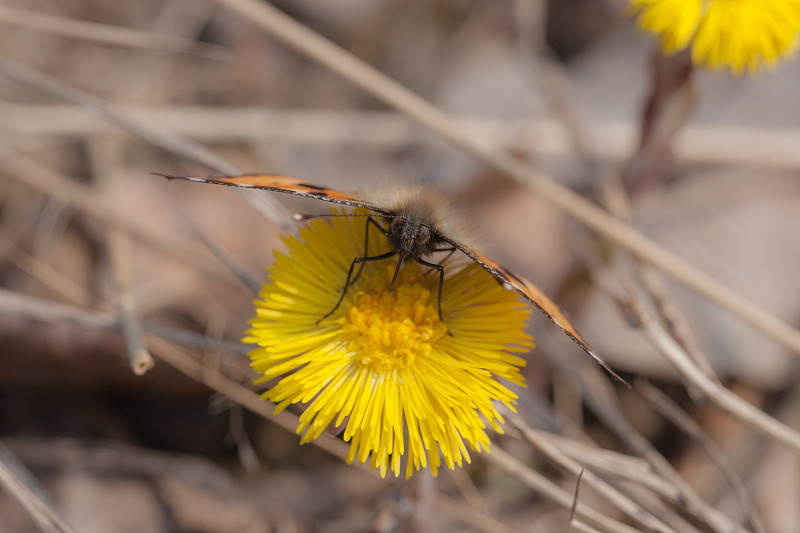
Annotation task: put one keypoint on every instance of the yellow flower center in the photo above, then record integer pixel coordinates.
(388, 327)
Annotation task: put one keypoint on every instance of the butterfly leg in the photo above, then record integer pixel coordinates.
(348, 282)
(440, 268)
(366, 246)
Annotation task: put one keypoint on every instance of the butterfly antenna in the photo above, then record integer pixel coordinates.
(301, 217)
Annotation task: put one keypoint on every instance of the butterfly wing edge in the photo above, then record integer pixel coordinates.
(537, 298)
(282, 184)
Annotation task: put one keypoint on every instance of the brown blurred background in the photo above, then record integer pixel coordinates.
(162, 452)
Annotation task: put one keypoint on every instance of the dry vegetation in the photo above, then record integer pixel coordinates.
(529, 122)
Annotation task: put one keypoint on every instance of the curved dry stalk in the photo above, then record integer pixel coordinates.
(311, 44)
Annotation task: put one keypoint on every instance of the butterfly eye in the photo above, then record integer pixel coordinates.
(423, 235)
(396, 227)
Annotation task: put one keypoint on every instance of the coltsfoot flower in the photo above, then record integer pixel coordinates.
(384, 368)
(741, 35)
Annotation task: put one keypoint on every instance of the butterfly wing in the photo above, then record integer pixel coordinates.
(526, 289)
(284, 184)
(535, 296)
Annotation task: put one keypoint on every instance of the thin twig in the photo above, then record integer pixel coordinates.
(22, 486)
(577, 496)
(652, 282)
(585, 528)
(622, 502)
(672, 317)
(233, 264)
(47, 275)
(466, 486)
(241, 395)
(140, 359)
(605, 407)
(633, 469)
(470, 516)
(112, 457)
(117, 245)
(31, 172)
(22, 305)
(550, 491)
(685, 423)
(356, 71)
(716, 393)
(113, 35)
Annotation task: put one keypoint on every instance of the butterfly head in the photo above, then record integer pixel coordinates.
(410, 237)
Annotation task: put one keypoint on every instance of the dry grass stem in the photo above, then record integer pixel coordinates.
(470, 516)
(22, 305)
(699, 144)
(577, 497)
(111, 35)
(466, 486)
(553, 493)
(104, 156)
(670, 315)
(148, 130)
(686, 424)
(34, 174)
(21, 486)
(622, 502)
(238, 393)
(47, 275)
(224, 257)
(633, 469)
(716, 393)
(140, 359)
(607, 409)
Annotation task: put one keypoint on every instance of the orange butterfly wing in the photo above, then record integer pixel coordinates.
(284, 184)
(535, 296)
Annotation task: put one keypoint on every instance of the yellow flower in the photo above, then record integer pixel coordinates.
(384, 367)
(736, 34)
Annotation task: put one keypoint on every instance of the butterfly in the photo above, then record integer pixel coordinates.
(412, 234)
